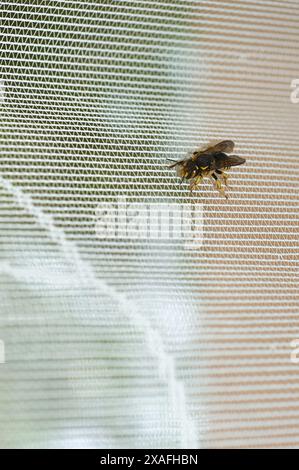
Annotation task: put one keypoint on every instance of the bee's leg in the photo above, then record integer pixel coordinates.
(217, 183)
(223, 176)
(195, 183)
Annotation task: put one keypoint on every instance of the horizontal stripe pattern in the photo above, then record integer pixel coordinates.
(115, 343)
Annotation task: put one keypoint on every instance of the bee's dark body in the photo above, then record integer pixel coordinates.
(209, 162)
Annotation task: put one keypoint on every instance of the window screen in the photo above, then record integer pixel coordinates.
(115, 338)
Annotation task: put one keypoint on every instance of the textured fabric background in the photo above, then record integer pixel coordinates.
(142, 343)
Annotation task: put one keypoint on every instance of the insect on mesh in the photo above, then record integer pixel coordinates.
(121, 342)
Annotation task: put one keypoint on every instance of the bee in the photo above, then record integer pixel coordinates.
(209, 161)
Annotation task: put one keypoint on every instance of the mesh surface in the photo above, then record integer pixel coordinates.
(142, 343)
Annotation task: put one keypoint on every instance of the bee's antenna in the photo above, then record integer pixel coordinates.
(171, 160)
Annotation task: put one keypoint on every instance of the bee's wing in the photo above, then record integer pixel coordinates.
(222, 160)
(223, 146)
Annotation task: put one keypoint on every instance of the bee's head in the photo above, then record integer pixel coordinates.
(181, 171)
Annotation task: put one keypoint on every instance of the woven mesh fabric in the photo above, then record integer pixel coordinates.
(141, 343)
